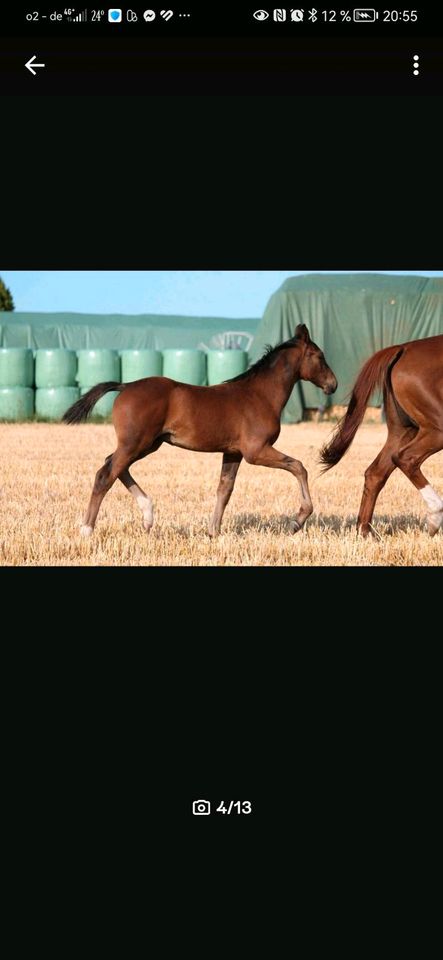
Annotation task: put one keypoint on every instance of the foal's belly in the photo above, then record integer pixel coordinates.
(201, 444)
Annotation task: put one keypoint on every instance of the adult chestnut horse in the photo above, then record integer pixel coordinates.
(412, 378)
(239, 418)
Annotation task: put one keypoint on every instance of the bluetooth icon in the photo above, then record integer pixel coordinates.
(312, 14)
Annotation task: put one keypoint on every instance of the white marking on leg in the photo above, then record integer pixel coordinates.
(85, 530)
(146, 506)
(434, 502)
(142, 501)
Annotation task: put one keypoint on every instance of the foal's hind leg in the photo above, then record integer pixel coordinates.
(269, 457)
(105, 477)
(230, 465)
(410, 459)
(141, 499)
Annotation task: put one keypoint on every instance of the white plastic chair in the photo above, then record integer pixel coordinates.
(229, 340)
(237, 340)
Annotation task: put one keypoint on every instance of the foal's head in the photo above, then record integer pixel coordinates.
(313, 365)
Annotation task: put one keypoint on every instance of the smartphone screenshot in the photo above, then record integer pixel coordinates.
(221, 328)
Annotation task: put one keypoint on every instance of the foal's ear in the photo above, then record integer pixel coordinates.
(302, 332)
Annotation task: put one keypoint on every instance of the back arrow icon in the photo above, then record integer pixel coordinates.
(30, 64)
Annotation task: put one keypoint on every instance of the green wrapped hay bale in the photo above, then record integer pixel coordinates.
(103, 408)
(55, 368)
(16, 367)
(16, 403)
(188, 366)
(97, 366)
(137, 364)
(225, 364)
(52, 402)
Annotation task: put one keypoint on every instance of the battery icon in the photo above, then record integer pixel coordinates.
(364, 15)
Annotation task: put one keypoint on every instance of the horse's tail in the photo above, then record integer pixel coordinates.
(81, 409)
(373, 374)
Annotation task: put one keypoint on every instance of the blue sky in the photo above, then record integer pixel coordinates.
(217, 293)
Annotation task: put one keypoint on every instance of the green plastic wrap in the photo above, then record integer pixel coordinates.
(16, 367)
(225, 364)
(52, 402)
(187, 366)
(89, 331)
(16, 403)
(55, 368)
(97, 366)
(137, 364)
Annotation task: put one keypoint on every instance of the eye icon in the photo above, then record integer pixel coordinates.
(261, 14)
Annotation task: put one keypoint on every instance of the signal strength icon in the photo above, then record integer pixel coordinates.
(80, 18)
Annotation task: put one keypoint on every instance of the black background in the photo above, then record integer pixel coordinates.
(221, 50)
(220, 66)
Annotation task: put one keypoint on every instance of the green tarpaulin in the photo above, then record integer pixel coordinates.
(350, 316)
(78, 331)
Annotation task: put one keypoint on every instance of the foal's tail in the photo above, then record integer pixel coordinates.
(373, 374)
(80, 410)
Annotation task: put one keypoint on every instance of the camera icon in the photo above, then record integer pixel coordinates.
(201, 808)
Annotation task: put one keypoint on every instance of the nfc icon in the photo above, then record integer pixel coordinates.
(201, 808)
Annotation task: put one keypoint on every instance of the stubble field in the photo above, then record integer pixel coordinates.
(47, 472)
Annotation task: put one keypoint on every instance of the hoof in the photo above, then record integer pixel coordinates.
(295, 526)
(147, 524)
(86, 531)
(365, 531)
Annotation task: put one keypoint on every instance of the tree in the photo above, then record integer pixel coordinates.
(6, 301)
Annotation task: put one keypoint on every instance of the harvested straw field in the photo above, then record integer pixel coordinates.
(47, 472)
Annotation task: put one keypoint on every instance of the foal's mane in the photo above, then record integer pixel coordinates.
(266, 360)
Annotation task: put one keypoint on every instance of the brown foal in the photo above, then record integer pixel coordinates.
(239, 418)
(412, 378)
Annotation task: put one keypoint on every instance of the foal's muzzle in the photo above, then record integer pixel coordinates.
(330, 387)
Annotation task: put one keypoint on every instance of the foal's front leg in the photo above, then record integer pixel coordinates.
(269, 457)
(230, 465)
